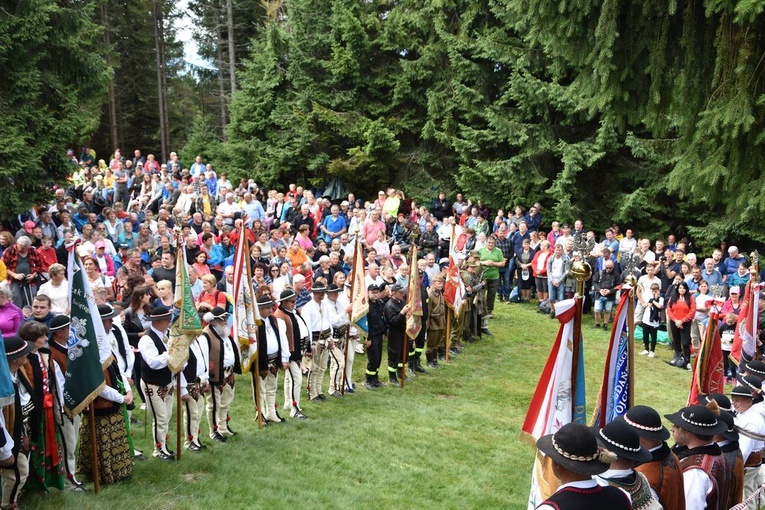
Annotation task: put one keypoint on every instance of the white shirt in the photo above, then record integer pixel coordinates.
(6, 450)
(698, 486)
(59, 296)
(277, 345)
(317, 317)
(339, 317)
(126, 363)
(751, 420)
(153, 358)
(201, 352)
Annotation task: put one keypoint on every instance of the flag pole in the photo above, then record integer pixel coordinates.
(449, 314)
(581, 271)
(631, 342)
(346, 382)
(179, 411)
(94, 449)
(253, 370)
(405, 347)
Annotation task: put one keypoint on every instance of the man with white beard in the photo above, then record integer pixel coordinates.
(223, 362)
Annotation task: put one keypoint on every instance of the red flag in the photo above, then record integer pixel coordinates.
(454, 288)
(745, 336)
(708, 376)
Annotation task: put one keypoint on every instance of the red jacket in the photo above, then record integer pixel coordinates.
(682, 311)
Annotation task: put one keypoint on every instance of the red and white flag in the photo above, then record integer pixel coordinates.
(745, 337)
(554, 404)
(454, 288)
(246, 313)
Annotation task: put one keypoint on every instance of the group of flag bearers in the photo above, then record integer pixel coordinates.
(622, 460)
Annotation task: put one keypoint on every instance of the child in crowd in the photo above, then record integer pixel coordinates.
(727, 331)
(650, 323)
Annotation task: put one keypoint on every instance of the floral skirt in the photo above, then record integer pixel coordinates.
(115, 460)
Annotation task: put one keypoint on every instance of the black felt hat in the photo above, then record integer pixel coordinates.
(722, 401)
(751, 381)
(160, 313)
(647, 423)
(16, 347)
(731, 433)
(698, 419)
(59, 322)
(106, 311)
(755, 367)
(575, 448)
(622, 439)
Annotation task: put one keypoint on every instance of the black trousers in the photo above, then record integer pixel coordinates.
(374, 354)
(395, 352)
(682, 338)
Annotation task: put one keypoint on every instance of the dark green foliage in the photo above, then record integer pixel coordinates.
(52, 83)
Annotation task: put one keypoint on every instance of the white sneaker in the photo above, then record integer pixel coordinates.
(651, 354)
(143, 406)
(644, 353)
(359, 349)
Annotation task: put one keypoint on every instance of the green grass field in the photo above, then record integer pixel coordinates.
(448, 440)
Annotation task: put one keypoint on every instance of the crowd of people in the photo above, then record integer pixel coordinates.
(714, 463)
(132, 215)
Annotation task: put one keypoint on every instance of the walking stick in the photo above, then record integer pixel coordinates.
(449, 314)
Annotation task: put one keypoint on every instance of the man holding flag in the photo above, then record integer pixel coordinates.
(395, 313)
(559, 398)
(157, 379)
(224, 363)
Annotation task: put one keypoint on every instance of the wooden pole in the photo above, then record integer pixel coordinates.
(630, 346)
(346, 382)
(94, 448)
(178, 413)
(581, 273)
(449, 314)
(253, 369)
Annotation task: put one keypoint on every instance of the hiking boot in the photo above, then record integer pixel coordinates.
(393, 379)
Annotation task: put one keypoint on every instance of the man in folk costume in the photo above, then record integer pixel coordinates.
(45, 458)
(751, 428)
(157, 380)
(340, 321)
(728, 443)
(317, 314)
(576, 458)
(69, 427)
(196, 373)
(273, 354)
(115, 458)
(223, 358)
(376, 329)
(395, 317)
(299, 339)
(123, 353)
(706, 476)
(436, 321)
(622, 440)
(663, 470)
(17, 417)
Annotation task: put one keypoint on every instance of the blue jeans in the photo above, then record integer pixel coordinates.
(556, 293)
(504, 284)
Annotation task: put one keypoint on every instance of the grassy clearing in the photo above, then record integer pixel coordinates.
(449, 440)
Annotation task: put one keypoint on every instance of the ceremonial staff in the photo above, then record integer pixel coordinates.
(632, 283)
(581, 271)
(346, 382)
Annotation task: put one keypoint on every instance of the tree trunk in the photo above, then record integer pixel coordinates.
(221, 66)
(159, 50)
(231, 53)
(112, 96)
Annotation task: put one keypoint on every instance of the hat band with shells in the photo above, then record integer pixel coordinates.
(642, 427)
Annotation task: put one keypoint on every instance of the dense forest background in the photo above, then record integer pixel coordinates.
(645, 113)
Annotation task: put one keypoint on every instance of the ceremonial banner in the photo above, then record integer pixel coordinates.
(359, 301)
(84, 377)
(613, 397)
(414, 299)
(454, 288)
(187, 325)
(745, 337)
(246, 314)
(708, 376)
(553, 405)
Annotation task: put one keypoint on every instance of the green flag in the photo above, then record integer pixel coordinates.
(84, 378)
(187, 325)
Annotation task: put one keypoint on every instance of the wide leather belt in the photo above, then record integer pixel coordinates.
(754, 459)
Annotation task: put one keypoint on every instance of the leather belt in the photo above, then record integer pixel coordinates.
(754, 459)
